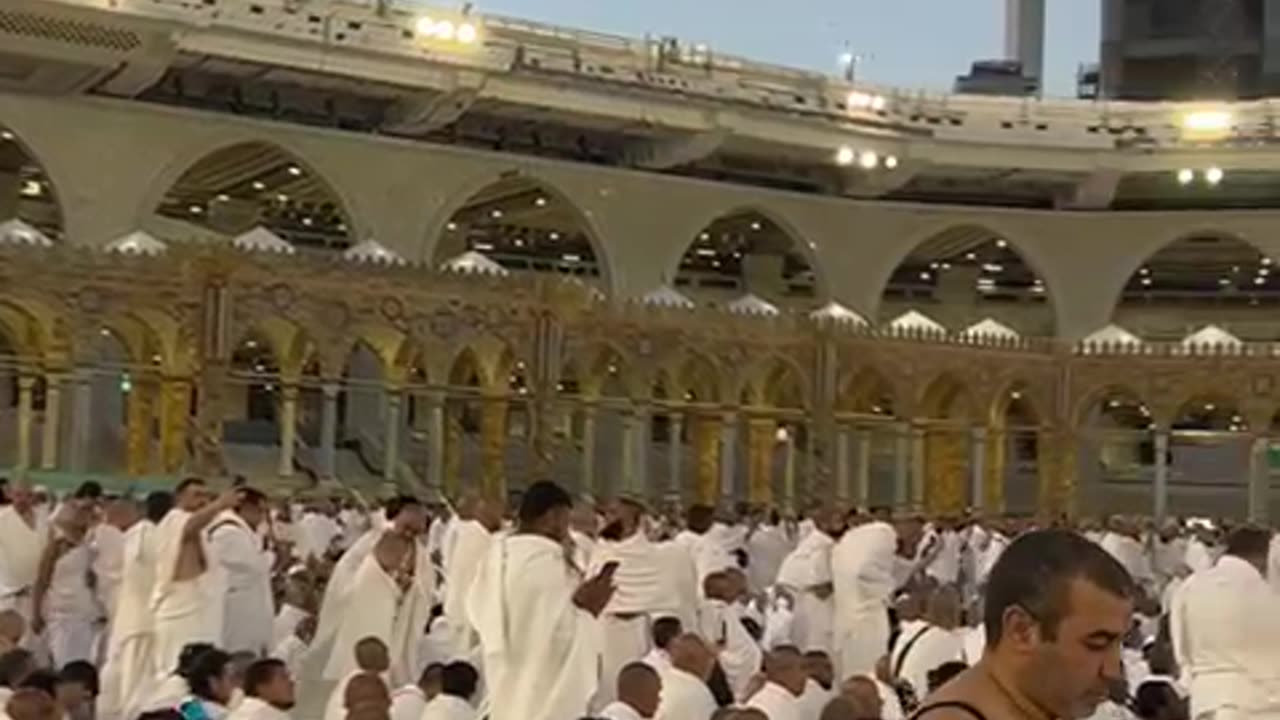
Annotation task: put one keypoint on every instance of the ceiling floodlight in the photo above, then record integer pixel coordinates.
(1208, 121)
(1186, 176)
(1213, 175)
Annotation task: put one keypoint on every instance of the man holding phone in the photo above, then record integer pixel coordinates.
(536, 616)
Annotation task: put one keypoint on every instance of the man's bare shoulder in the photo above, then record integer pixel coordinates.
(964, 698)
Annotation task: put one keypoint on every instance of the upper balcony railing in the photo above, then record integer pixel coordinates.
(667, 65)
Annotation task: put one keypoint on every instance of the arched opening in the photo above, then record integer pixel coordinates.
(1014, 472)
(777, 453)
(698, 383)
(239, 187)
(1209, 458)
(746, 252)
(363, 407)
(523, 225)
(26, 193)
(120, 391)
(966, 274)
(1116, 463)
(611, 438)
(869, 439)
(944, 461)
(1200, 280)
(274, 382)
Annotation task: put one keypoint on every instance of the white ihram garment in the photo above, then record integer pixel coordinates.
(21, 546)
(106, 544)
(776, 702)
(448, 707)
(541, 652)
(862, 567)
(252, 708)
(740, 657)
(926, 647)
(407, 703)
(246, 568)
(469, 542)
(767, 547)
(684, 697)
(363, 600)
(186, 611)
(642, 592)
(70, 610)
(806, 568)
(130, 661)
(1227, 631)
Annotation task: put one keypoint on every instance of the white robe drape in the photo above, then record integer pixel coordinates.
(643, 590)
(246, 568)
(807, 567)
(21, 546)
(363, 600)
(862, 568)
(130, 662)
(186, 611)
(541, 652)
(767, 546)
(739, 655)
(469, 541)
(684, 697)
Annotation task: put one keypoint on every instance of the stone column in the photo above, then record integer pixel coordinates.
(81, 421)
(901, 465)
(675, 449)
(1161, 490)
(288, 428)
(629, 443)
(588, 457)
(1259, 480)
(391, 440)
(493, 448)
(52, 422)
(789, 471)
(707, 439)
(175, 419)
(862, 478)
(919, 469)
(435, 440)
(728, 454)
(762, 436)
(26, 386)
(643, 441)
(329, 430)
(843, 480)
(977, 467)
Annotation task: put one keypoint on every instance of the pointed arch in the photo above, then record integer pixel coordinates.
(232, 186)
(37, 202)
(947, 397)
(750, 248)
(697, 378)
(1123, 405)
(868, 391)
(524, 222)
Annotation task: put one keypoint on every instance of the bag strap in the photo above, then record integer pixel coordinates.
(906, 650)
(948, 705)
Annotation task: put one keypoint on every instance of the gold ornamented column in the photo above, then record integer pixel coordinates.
(947, 470)
(993, 485)
(761, 437)
(391, 438)
(493, 445)
(1056, 469)
(452, 450)
(675, 451)
(26, 388)
(706, 451)
(175, 410)
(52, 422)
(141, 413)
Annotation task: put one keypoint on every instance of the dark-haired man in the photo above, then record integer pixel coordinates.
(536, 617)
(1057, 608)
(382, 587)
(236, 546)
(1226, 633)
(268, 690)
(458, 684)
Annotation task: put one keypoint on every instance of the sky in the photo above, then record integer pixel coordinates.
(913, 43)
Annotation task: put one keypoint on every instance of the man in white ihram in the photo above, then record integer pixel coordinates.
(536, 619)
(862, 569)
(187, 599)
(806, 574)
(1226, 634)
(237, 549)
(22, 541)
(382, 587)
(470, 537)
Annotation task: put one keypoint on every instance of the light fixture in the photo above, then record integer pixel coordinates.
(259, 185)
(495, 213)
(553, 236)
(1224, 282)
(445, 30)
(1265, 261)
(295, 171)
(868, 160)
(6, 136)
(425, 27)
(1002, 243)
(540, 201)
(104, 332)
(251, 343)
(1015, 395)
(196, 209)
(1213, 175)
(704, 236)
(891, 162)
(924, 276)
(224, 198)
(1146, 281)
(467, 33)
(571, 257)
(971, 256)
(756, 226)
(1260, 281)
(782, 435)
(878, 103)
(32, 188)
(1144, 271)
(451, 226)
(306, 221)
(845, 156)
(1207, 121)
(1185, 176)
(282, 198)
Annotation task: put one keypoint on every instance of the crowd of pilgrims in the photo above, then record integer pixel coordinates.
(191, 605)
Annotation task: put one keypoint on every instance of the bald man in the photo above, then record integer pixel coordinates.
(785, 679)
(685, 695)
(638, 692)
(366, 698)
(31, 704)
(864, 695)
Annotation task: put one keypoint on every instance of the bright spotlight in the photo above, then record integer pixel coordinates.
(845, 156)
(1213, 175)
(869, 160)
(445, 30)
(859, 100)
(878, 103)
(466, 33)
(891, 162)
(1185, 176)
(1207, 121)
(425, 27)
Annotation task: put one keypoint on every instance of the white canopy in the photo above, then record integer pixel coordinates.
(750, 304)
(1211, 335)
(138, 242)
(261, 239)
(916, 320)
(990, 328)
(835, 312)
(1114, 335)
(474, 263)
(372, 251)
(666, 296)
(16, 232)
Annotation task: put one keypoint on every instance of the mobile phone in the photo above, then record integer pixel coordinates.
(609, 568)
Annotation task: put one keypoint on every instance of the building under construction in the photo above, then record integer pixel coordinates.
(1190, 49)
